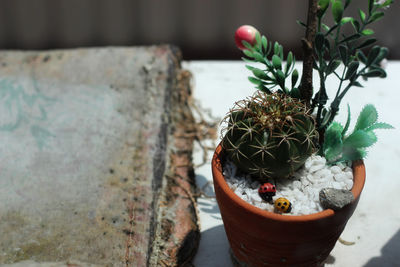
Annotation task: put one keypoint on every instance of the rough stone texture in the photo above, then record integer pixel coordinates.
(90, 142)
(335, 199)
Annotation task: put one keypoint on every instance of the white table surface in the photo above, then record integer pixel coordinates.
(375, 225)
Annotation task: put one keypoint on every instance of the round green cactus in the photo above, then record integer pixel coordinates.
(269, 135)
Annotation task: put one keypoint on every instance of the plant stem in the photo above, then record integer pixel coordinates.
(306, 87)
(336, 102)
(341, 82)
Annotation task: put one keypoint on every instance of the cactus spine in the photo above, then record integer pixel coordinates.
(269, 135)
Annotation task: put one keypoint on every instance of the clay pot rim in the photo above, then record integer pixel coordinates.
(359, 180)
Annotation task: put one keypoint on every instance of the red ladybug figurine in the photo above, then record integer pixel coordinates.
(267, 191)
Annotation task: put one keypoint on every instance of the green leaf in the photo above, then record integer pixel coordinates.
(323, 6)
(357, 84)
(289, 62)
(332, 66)
(260, 74)
(377, 16)
(370, 5)
(276, 48)
(387, 3)
(382, 54)
(247, 45)
(351, 154)
(346, 127)
(366, 43)
(258, 39)
(373, 54)
(295, 77)
(248, 60)
(360, 139)
(367, 32)
(368, 116)
(360, 55)
(337, 10)
(352, 69)
(379, 125)
(356, 25)
(345, 20)
(295, 93)
(276, 62)
(258, 56)
(375, 73)
(333, 134)
(332, 146)
(281, 51)
(325, 27)
(248, 53)
(343, 53)
(264, 42)
(319, 41)
(255, 81)
(251, 68)
(280, 78)
(264, 89)
(347, 3)
(362, 15)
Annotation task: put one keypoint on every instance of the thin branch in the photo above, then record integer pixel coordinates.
(306, 87)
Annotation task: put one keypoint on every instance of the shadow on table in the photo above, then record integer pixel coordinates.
(205, 185)
(213, 250)
(390, 254)
(207, 203)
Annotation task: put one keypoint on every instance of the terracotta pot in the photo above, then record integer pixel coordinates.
(261, 238)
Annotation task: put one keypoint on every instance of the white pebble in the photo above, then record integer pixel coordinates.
(302, 189)
(315, 168)
(308, 163)
(336, 185)
(340, 177)
(341, 165)
(348, 169)
(335, 169)
(349, 184)
(296, 184)
(349, 175)
(318, 160)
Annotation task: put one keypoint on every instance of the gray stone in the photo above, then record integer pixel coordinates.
(331, 198)
(88, 140)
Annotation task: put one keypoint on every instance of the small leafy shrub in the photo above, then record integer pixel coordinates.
(338, 147)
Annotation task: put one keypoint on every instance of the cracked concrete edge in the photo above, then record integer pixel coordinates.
(70, 263)
(177, 234)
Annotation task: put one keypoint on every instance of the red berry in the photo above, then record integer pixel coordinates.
(245, 33)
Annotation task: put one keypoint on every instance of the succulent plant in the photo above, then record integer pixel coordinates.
(339, 147)
(269, 135)
(344, 42)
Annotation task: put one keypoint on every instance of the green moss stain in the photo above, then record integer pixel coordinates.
(15, 99)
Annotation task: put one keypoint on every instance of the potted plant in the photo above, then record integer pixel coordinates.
(270, 135)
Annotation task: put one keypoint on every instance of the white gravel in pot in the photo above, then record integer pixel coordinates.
(302, 190)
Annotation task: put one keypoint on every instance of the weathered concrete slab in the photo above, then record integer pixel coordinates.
(88, 145)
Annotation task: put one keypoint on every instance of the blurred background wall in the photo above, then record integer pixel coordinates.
(203, 29)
